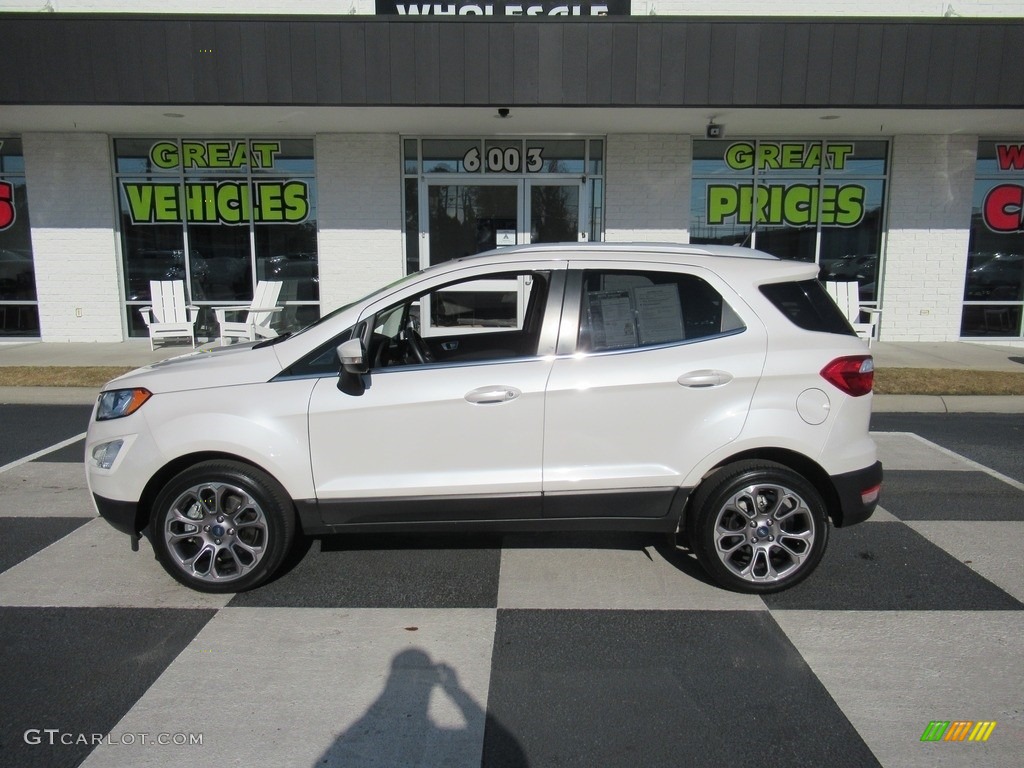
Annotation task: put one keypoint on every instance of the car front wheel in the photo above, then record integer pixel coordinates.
(757, 526)
(222, 526)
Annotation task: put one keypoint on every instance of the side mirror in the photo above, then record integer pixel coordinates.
(353, 367)
(353, 356)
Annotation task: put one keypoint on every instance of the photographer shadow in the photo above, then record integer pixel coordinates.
(398, 730)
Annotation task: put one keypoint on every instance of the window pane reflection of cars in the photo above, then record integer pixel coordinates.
(17, 275)
(995, 276)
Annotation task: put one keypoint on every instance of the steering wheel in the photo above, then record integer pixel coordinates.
(416, 345)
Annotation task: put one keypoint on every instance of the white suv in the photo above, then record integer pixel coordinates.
(715, 393)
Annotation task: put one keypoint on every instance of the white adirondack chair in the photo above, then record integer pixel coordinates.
(257, 315)
(169, 316)
(846, 295)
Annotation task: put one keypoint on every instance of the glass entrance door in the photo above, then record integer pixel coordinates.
(463, 219)
(467, 218)
(555, 214)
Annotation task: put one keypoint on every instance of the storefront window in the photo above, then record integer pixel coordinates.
(19, 312)
(994, 284)
(815, 201)
(507, 191)
(220, 215)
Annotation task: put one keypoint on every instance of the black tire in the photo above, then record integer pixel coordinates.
(735, 529)
(222, 526)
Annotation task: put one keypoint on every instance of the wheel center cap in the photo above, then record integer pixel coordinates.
(762, 531)
(218, 530)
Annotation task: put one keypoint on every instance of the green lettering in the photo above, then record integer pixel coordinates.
(768, 156)
(193, 154)
(296, 201)
(740, 156)
(813, 158)
(199, 204)
(233, 202)
(240, 155)
(837, 154)
(165, 203)
(793, 155)
(723, 202)
(269, 202)
(218, 154)
(263, 153)
(799, 207)
(850, 205)
(164, 154)
(140, 202)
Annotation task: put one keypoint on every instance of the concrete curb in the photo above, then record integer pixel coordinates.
(948, 404)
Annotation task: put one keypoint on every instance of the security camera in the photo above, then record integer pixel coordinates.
(714, 131)
(503, 111)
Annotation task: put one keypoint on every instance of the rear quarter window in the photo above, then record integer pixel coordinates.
(807, 305)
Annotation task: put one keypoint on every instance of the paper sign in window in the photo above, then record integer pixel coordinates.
(612, 322)
(659, 314)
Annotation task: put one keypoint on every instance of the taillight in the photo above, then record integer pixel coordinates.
(853, 375)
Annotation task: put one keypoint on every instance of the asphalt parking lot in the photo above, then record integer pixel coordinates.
(516, 650)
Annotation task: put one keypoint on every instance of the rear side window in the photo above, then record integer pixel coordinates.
(807, 305)
(626, 310)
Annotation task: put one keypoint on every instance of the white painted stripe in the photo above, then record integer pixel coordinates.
(38, 454)
(973, 464)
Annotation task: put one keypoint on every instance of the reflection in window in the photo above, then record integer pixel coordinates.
(994, 281)
(479, 319)
(815, 201)
(19, 312)
(219, 214)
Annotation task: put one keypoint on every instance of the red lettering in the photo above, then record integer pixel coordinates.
(1010, 156)
(1003, 210)
(7, 212)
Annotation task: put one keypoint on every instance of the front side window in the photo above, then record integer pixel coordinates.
(219, 215)
(994, 284)
(19, 312)
(626, 310)
(498, 317)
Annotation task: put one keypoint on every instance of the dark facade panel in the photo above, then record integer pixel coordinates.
(549, 63)
(795, 54)
(352, 75)
(614, 61)
(625, 83)
(599, 65)
(526, 67)
(866, 87)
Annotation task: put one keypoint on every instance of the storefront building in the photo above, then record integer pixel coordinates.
(336, 150)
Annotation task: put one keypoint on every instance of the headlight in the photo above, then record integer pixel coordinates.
(118, 403)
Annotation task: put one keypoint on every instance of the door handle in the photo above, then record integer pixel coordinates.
(704, 378)
(492, 395)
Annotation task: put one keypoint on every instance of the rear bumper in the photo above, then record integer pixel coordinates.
(857, 494)
(120, 514)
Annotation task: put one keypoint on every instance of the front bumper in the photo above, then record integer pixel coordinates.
(123, 515)
(851, 489)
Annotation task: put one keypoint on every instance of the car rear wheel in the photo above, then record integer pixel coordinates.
(222, 526)
(757, 526)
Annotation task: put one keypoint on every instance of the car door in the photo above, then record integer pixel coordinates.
(656, 368)
(453, 438)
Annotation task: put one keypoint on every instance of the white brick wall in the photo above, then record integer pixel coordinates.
(926, 253)
(359, 186)
(647, 188)
(71, 207)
